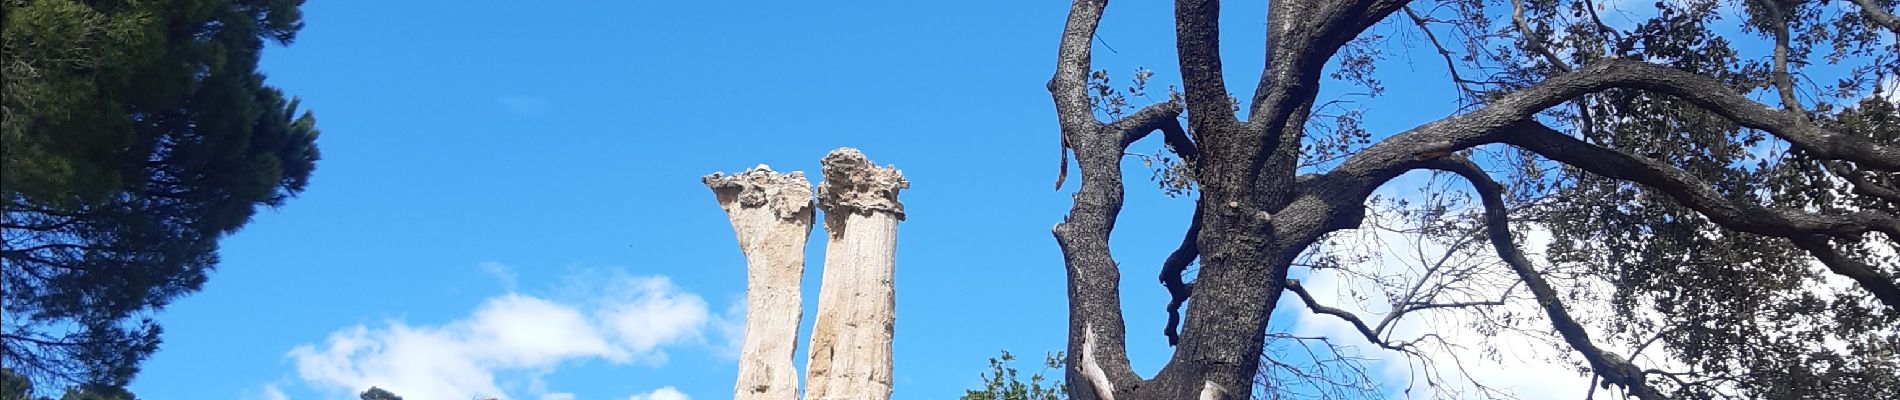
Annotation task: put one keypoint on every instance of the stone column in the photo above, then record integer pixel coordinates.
(851, 340)
(772, 214)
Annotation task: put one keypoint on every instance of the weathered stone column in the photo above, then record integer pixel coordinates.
(851, 340)
(772, 214)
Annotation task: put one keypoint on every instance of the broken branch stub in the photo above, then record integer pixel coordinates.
(851, 339)
(772, 215)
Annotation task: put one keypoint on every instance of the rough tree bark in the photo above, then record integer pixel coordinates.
(772, 215)
(851, 339)
(1256, 213)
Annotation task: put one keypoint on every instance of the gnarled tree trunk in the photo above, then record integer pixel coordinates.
(1257, 211)
(772, 214)
(851, 340)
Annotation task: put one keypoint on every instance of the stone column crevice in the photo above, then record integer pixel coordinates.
(851, 338)
(772, 215)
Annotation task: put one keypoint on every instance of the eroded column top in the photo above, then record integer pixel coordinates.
(853, 184)
(788, 194)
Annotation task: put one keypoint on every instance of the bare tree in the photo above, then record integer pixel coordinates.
(1553, 88)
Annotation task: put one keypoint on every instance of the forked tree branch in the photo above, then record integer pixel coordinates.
(1163, 116)
(1867, 187)
(1783, 80)
(1098, 358)
(1869, 277)
(1305, 34)
(1880, 16)
(1694, 192)
(1538, 43)
(1373, 333)
(1451, 65)
(1293, 285)
(1612, 368)
(1534, 41)
(1301, 37)
(1158, 116)
(1099, 362)
(1795, 128)
(1069, 86)
(1808, 230)
(1339, 193)
(1197, 44)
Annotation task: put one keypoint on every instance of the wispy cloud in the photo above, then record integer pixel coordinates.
(1517, 363)
(268, 391)
(1472, 353)
(511, 334)
(527, 106)
(731, 326)
(664, 393)
(506, 277)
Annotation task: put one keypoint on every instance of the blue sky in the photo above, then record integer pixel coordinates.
(511, 164)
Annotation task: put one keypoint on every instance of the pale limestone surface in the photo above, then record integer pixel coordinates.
(851, 339)
(772, 215)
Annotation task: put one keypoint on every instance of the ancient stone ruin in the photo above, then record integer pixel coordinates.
(851, 338)
(772, 214)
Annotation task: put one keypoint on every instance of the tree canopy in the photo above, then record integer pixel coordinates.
(376, 393)
(1002, 382)
(136, 135)
(1701, 243)
(16, 387)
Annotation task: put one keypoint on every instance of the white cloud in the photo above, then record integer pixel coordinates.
(663, 393)
(731, 326)
(512, 334)
(1517, 364)
(558, 396)
(1525, 360)
(517, 330)
(501, 273)
(648, 314)
(269, 391)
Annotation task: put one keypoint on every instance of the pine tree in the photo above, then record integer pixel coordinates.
(136, 135)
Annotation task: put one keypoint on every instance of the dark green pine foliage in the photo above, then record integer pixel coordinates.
(376, 393)
(136, 135)
(16, 387)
